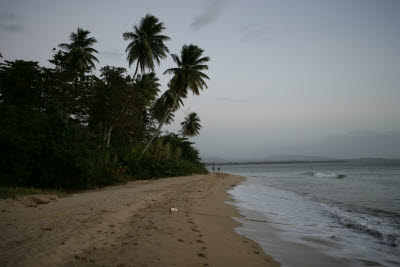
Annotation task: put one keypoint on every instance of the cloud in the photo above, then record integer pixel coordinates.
(8, 24)
(232, 100)
(252, 32)
(11, 27)
(112, 53)
(7, 16)
(210, 14)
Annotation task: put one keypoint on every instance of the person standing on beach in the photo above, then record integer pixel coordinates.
(213, 168)
(219, 168)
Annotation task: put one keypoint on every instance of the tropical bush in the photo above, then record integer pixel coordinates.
(64, 127)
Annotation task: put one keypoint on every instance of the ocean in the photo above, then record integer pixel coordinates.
(322, 214)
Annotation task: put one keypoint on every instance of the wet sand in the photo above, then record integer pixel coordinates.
(131, 225)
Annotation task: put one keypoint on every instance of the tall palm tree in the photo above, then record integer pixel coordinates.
(188, 76)
(191, 125)
(147, 44)
(80, 50)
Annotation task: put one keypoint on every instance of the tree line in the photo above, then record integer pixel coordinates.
(65, 127)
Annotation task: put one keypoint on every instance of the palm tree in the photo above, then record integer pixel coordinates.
(188, 76)
(191, 125)
(146, 88)
(80, 51)
(147, 45)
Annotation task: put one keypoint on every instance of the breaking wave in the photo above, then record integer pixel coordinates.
(382, 229)
(324, 175)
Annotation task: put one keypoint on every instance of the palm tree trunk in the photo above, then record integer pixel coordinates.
(159, 127)
(137, 67)
(108, 135)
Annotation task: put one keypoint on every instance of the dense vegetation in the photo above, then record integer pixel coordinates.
(64, 127)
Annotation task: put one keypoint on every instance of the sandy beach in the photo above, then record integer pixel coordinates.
(131, 225)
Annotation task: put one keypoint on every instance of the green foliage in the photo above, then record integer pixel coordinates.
(188, 75)
(154, 168)
(80, 51)
(191, 125)
(170, 155)
(110, 95)
(163, 104)
(147, 43)
(56, 123)
(21, 84)
(44, 150)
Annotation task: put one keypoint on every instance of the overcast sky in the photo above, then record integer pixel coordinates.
(308, 77)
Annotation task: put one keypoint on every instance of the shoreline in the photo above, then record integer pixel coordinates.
(131, 225)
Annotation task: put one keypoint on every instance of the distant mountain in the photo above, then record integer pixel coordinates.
(275, 158)
(376, 160)
(211, 159)
(290, 159)
(296, 158)
(360, 144)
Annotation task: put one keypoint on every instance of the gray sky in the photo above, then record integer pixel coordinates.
(308, 77)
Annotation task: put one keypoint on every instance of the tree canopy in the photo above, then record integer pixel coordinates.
(147, 43)
(80, 51)
(56, 122)
(191, 125)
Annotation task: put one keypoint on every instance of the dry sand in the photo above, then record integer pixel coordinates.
(131, 225)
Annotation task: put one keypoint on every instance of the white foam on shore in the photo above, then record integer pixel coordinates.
(305, 221)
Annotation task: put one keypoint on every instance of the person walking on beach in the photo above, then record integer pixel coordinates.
(213, 169)
(219, 168)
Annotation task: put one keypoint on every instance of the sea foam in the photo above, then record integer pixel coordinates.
(324, 175)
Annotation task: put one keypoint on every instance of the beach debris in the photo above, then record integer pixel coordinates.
(173, 210)
(34, 200)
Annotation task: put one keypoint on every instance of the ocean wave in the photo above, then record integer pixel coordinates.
(324, 175)
(375, 226)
